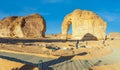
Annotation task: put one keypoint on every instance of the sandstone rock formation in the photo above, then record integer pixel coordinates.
(32, 26)
(114, 35)
(86, 25)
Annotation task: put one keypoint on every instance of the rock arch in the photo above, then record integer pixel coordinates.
(84, 22)
(66, 25)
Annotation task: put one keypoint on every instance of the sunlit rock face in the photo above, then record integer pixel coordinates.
(86, 25)
(114, 35)
(32, 26)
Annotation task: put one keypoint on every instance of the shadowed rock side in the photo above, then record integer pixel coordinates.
(89, 36)
(32, 26)
(84, 22)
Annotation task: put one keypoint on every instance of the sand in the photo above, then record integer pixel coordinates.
(115, 66)
(94, 50)
(11, 65)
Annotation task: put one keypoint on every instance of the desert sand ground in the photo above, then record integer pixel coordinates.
(115, 65)
(94, 50)
(11, 65)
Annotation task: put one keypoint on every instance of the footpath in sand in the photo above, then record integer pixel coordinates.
(113, 59)
(107, 62)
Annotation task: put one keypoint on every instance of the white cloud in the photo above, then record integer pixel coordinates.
(29, 10)
(110, 16)
(3, 15)
(24, 12)
(44, 13)
(52, 1)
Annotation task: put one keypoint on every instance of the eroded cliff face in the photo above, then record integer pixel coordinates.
(86, 25)
(32, 26)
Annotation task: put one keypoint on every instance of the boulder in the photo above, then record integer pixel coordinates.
(114, 35)
(32, 26)
(86, 25)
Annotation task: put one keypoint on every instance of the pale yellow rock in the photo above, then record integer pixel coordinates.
(114, 35)
(86, 25)
(32, 26)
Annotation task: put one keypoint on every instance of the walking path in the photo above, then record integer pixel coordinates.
(63, 63)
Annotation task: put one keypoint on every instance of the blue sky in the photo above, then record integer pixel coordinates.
(54, 11)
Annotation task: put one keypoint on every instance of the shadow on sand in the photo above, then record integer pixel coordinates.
(27, 66)
(87, 37)
(14, 41)
(46, 65)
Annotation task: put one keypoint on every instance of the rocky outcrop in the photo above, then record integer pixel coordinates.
(114, 35)
(32, 26)
(86, 25)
